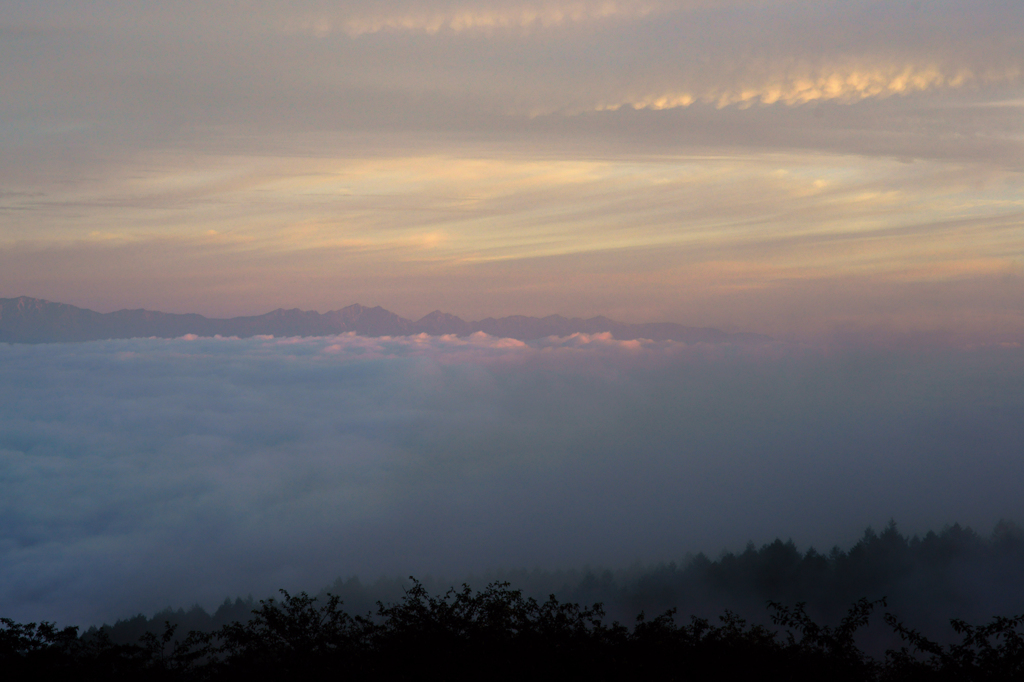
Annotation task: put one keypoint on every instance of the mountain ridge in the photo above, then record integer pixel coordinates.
(34, 320)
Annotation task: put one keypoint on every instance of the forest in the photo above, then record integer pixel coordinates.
(943, 606)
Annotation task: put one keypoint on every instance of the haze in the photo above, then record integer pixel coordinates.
(845, 177)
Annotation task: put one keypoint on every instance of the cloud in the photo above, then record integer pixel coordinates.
(137, 474)
(481, 232)
(844, 85)
(457, 18)
(183, 70)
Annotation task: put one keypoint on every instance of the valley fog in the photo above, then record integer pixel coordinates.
(145, 473)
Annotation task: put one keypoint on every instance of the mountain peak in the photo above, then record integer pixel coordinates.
(33, 320)
(439, 323)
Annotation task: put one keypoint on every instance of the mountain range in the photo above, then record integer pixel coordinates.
(33, 320)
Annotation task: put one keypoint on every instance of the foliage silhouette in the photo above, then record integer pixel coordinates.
(500, 634)
(926, 580)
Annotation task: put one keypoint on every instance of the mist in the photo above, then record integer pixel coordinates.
(145, 473)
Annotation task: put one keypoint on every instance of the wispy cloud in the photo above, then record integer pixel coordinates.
(802, 85)
(457, 18)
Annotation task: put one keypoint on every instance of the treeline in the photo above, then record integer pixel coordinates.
(955, 573)
(499, 634)
(926, 580)
(904, 592)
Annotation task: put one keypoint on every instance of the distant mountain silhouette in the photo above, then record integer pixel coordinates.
(33, 320)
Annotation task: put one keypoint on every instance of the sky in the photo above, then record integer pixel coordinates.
(802, 169)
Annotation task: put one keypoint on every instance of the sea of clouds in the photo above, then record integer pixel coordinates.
(143, 473)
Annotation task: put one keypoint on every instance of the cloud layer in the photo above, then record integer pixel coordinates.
(137, 474)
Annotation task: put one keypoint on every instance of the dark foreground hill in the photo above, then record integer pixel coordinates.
(33, 320)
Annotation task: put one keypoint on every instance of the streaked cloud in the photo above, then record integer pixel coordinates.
(414, 233)
(802, 85)
(457, 18)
